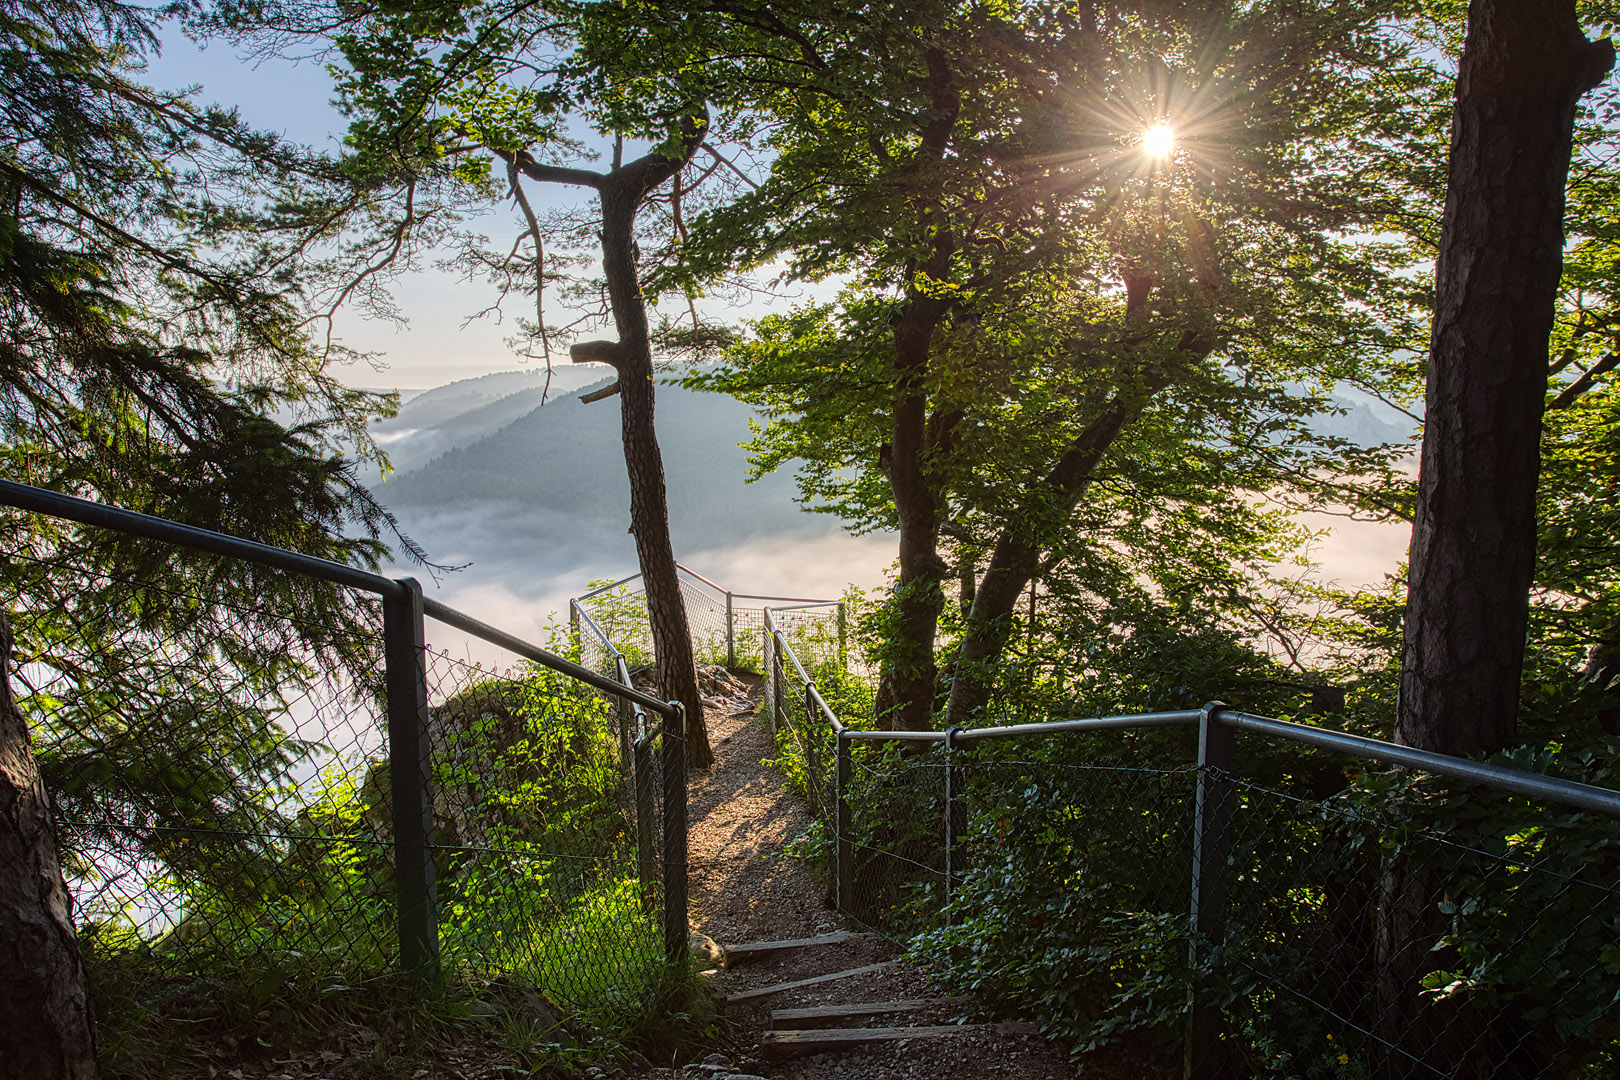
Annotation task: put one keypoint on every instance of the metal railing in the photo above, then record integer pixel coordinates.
(724, 624)
(376, 801)
(1345, 932)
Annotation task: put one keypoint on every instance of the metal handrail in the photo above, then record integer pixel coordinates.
(100, 515)
(466, 623)
(86, 512)
(1565, 792)
(1568, 792)
(789, 603)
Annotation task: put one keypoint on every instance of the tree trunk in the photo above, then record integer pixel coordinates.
(910, 679)
(46, 1031)
(1525, 65)
(1017, 553)
(910, 673)
(622, 192)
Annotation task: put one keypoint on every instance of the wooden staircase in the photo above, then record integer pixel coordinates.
(842, 1025)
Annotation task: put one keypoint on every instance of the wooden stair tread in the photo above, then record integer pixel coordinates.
(775, 1045)
(821, 1015)
(734, 954)
(766, 991)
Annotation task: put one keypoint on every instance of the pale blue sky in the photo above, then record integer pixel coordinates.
(294, 99)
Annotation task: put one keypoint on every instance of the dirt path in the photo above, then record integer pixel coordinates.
(744, 888)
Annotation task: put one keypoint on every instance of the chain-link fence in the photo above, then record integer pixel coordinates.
(273, 770)
(727, 628)
(1423, 929)
(1296, 910)
(209, 762)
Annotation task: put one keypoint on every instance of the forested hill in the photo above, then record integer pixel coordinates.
(567, 458)
(434, 421)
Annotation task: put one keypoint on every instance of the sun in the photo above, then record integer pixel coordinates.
(1158, 141)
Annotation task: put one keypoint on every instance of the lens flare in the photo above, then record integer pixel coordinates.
(1158, 141)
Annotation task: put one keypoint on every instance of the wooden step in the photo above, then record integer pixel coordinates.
(767, 991)
(732, 955)
(822, 1016)
(775, 1045)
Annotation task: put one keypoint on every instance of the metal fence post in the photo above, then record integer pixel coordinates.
(812, 781)
(955, 815)
(768, 691)
(1212, 821)
(405, 682)
(731, 633)
(646, 858)
(843, 848)
(843, 636)
(674, 766)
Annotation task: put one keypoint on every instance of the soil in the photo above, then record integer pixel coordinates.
(745, 888)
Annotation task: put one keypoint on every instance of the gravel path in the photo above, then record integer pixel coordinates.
(745, 888)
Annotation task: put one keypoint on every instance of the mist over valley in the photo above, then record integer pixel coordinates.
(523, 487)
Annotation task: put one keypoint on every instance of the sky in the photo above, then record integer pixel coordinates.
(439, 345)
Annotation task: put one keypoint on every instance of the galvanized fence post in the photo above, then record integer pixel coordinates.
(1212, 826)
(674, 766)
(955, 815)
(405, 682)
(812, 781)
(731, 633)
(646, 858)
(843, 847)
(768, 691)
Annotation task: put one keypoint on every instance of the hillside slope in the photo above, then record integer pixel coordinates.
(567, 459)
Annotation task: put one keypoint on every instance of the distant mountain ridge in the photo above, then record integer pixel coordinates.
(506, 440)
(433, 421)
(468, 443)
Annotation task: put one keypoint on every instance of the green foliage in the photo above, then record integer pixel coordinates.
(537, 888)
(621, 615)
(156, 355)
(1072, 907)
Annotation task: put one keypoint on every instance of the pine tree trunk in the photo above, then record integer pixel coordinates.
(622, 193)
(46, 1032)
(1525, 65)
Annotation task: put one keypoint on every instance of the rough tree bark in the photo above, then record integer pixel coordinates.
(622, 190)
(1016, 557)
(911, 675)
(910, 678)
(46, 1031)
(1525, 65)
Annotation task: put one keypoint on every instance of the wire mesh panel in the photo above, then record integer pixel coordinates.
(891, 836)
(234, 748)
(708, 621)
(546, 842)
(1068, 883)
(1405, 929)
(213, 764)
